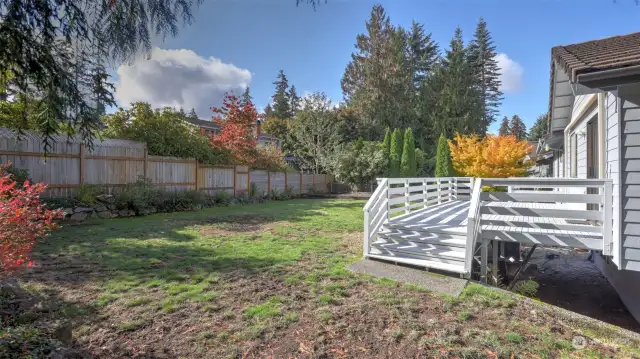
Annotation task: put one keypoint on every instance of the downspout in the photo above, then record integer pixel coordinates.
(602, 129)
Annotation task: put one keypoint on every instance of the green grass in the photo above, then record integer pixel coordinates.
(269, 309)
(225, 285)
(326, 299)
(464, 316)
(513, 338)
(138, 301)
(487, 297)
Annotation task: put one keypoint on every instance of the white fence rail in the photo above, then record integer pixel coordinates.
(397, 197)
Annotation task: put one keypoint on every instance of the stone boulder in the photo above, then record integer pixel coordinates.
(126, 213)
(79, 216)
(82, 209)
(105, 198)
(100, 207)
(106, 215)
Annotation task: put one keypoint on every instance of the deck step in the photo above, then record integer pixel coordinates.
(442, 256)
(443, 233)
(451, 244)
(454, 253)
(423, 263)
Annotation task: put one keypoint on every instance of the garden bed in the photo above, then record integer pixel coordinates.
(265, 280)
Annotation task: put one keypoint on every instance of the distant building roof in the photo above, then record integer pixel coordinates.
(204, 123)
(597, 55)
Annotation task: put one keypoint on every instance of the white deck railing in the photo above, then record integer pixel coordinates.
(375, 213)
(398, 197)
(561, 201)
(473, 227)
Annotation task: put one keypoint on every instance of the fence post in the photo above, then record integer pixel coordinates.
(248, 180)
(438, 191)
(607, 226)
(268, 182)
(406, 196)
(235, 183)
(81, 163)
(450, 189)
(365, 249)
(424, 192)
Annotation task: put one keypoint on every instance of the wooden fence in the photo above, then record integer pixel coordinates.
(114, 163)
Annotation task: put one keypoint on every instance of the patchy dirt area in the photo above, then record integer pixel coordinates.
(242, 223)
(568, 279)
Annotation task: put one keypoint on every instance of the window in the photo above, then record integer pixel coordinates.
(573, 155)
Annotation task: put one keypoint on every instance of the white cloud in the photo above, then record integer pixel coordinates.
(179, 78)
(510, 74)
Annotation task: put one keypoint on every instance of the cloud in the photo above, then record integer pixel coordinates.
(510, 74)
(179, 78)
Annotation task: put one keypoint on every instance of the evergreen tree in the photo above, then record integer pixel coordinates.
(505, 128)
(408, 162)
(281, 101)
(539, 128)
(458, 109)
(443, 159)
(246, 97)
(422, 53)
(192, 114)
(386, 149)
(268, 111)
(378, 81)
(294, 101)
(395, 153)
(518, 128)
(482, 58)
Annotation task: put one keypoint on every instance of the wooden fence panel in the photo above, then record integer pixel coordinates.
(307, 182)
(112, 164)
(293, 180)
(260, 179)
(277, 181)
(215, 179)
(321, 183)
(171, 173)
(242, 179)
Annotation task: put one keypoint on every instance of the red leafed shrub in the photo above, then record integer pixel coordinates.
(23, 220)
(237, 125)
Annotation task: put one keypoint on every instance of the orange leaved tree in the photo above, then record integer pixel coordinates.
(489, 157)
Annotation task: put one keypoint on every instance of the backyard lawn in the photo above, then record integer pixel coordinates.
(267, 280)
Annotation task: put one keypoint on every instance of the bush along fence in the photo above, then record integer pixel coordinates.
(116, 163)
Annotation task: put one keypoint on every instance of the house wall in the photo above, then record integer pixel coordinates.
(630, 179)
(623, 166)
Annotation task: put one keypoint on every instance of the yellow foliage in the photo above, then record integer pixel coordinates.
(489, 157)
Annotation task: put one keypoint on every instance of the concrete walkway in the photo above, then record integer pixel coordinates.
(434, 282)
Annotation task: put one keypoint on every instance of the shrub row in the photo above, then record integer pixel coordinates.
(143, 198)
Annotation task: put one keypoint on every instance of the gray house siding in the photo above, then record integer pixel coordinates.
(621, 139)
(630, 179)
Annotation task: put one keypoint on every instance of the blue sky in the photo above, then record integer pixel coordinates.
(249, 41)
